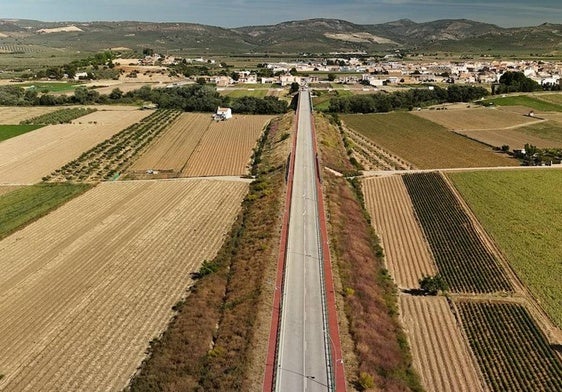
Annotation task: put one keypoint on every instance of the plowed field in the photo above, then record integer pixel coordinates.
(407, 253)
(174, 148)
(84, 289)
(440, 353)
(475, 118)
(13, 115)
(514, 138)
(226, 148)
(28, 157)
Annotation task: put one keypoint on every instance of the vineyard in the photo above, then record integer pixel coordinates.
(461, 257)
(62, 116)
(407, 254)
(440, 353)
(79, 314)
(226, 148)
(526, 228)
(371, 156)
(111, 157)
(173, 149)
(423, 143)
(513, 353)
(27, 158)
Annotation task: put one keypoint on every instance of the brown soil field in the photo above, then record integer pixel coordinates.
(514, 138)
(226, 148)
(440, 353)
(7, 189)
(16, 114)
(475, 118)
(27, 158)
(84, 289)
(407, 253)
(174, 148)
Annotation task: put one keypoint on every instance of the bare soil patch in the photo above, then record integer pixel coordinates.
(31, 156)
(475, 118)
(407, 253)
(79, 316)
(440, 352)
(514, 138)
(16, 114)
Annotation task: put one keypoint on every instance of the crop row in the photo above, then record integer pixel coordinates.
(513, 353)
(112, 156)
(461, 257)
(63, 116)
(375, 156)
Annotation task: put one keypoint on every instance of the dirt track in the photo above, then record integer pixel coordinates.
(407, 254)
(440, 353)
(84, 289)
(26, 158)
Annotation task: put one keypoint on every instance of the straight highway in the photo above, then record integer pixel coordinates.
(303, 359)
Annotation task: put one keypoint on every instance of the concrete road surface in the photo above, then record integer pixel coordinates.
(302, 361)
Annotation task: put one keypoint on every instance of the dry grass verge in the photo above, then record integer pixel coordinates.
(211, 343)
(369, 296)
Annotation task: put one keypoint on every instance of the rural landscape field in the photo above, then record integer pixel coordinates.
(215, 199)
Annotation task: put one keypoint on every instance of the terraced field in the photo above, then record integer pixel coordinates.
(512, 352)
(226, 148)
(461, 257)
(441, 354)
(27, 158)
(79, 313)
(407, 253)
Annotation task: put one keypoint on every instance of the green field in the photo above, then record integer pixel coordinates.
(9, 131)
(552, 98)
(521, 210)
(24, 205)
(549, 130)
(424, 143)
(54, 87)
(525, 100)
(238, 93)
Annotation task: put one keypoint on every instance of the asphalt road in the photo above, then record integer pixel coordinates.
(302, 362)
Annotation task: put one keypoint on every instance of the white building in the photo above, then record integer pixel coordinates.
(223, 113)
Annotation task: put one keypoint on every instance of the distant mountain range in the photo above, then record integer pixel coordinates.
(313, 36)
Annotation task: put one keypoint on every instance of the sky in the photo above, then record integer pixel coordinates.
(235, 13)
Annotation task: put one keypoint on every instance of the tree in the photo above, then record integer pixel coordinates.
(294, 88)
(432, 285)
(331, 77)
(116, 94)
(148, 51)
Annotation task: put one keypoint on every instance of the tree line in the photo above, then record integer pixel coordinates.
(408, 99)
(193, 98)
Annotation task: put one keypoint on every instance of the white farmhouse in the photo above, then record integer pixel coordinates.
(223, 113)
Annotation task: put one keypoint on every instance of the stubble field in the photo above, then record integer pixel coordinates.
(407, 253)
(226, 148)
(14, 115)
(441, 354)
(27, 158)
(85, 288)
(174, 148)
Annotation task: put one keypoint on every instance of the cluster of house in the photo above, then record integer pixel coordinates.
(377, 72)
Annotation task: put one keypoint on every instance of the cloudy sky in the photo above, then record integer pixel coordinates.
(233, 13)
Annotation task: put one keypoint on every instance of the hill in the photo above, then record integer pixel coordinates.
(312, 36)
